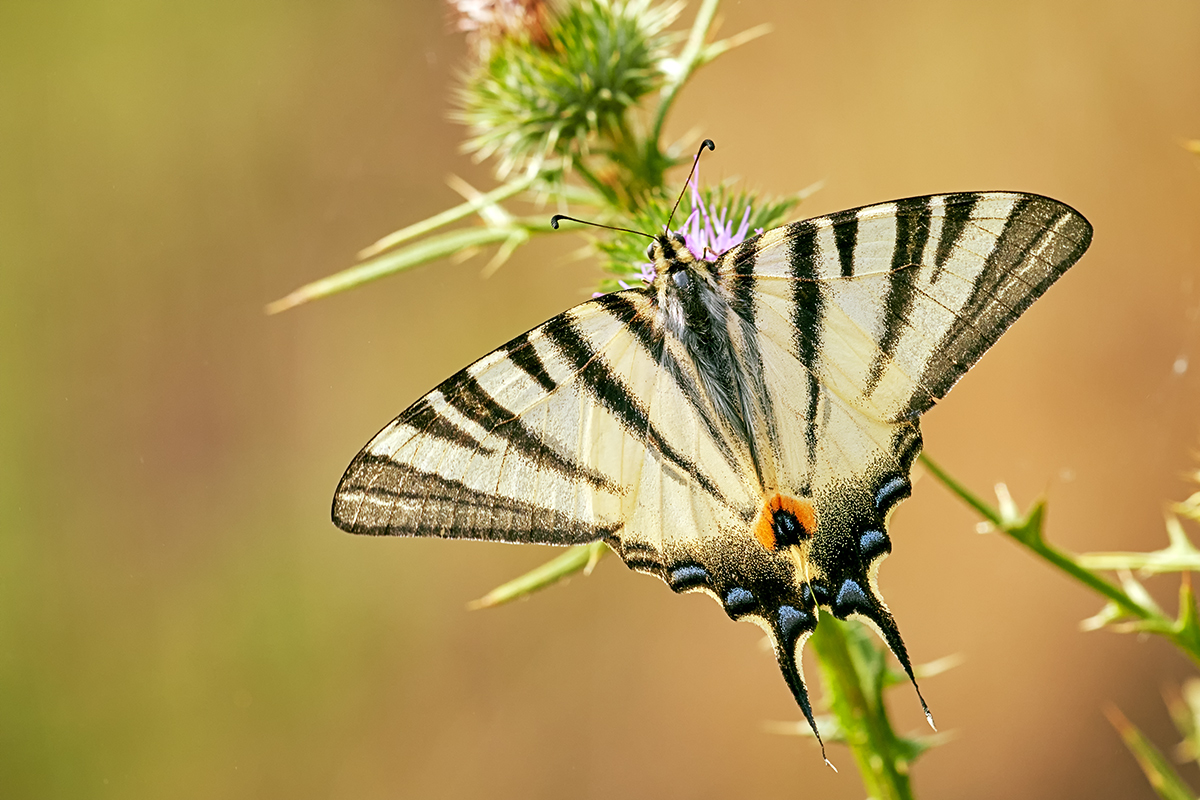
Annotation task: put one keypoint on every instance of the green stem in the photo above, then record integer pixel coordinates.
(1066, 563)
(964, 494)
(1027, 531)
(857, 702)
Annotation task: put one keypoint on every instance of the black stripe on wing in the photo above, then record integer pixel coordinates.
(958, 209)
(1041, 239)
(381, 496)
(425, 419)
(606, 388)
(523, 354)
(845, 235)
(464, 393)
(912, 232)
(808, 317)
(748, 357)
(653, 342)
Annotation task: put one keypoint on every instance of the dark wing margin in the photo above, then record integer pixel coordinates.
(496, 452)
(1041, 239)
(450, 508)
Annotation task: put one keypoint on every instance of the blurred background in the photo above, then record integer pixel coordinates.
(178, 617)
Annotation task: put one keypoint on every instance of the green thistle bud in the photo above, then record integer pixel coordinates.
(562, 96)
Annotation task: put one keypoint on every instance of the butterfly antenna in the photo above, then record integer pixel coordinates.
(706, 144)
(554, 224)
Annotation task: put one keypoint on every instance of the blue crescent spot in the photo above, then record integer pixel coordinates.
(790, 619)
(820, 594)
(889, 490)
(689, 575)
(738, 598)
(871, 543)
(851, 596)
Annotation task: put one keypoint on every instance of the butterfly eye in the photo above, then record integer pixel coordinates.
(681, 278)
(650, 251)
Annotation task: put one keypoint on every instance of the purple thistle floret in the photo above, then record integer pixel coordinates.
(707, 233)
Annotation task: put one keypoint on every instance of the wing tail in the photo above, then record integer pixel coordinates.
(854, 599)
(763, 592)
(789, 644)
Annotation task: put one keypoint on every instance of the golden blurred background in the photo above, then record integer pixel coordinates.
(178, 617)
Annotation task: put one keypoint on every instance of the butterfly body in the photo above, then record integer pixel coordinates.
(741, 427)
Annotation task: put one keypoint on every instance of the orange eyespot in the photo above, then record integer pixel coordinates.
(784, 521)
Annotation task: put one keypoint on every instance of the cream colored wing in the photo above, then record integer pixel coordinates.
(572, 432)
(890, 304)
(862, 320)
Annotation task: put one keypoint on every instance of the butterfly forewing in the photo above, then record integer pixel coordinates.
(890, 304)
(569, 433)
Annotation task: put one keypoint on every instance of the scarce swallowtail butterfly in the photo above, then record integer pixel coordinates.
(741, 427)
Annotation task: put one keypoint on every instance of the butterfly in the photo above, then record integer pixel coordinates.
(740, 427)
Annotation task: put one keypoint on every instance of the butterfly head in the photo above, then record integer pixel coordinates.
(668, 247)
(674, 264)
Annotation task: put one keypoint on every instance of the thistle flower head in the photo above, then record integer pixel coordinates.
(487, 22)
(717, 220)
(708, 230)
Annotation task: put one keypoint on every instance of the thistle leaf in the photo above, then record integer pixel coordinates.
(1162, 776)
(1185, 713)
(709, 52)
(510, 189)
(1179, 555)
(431, 249)
(1106, 616)
(581, 558)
